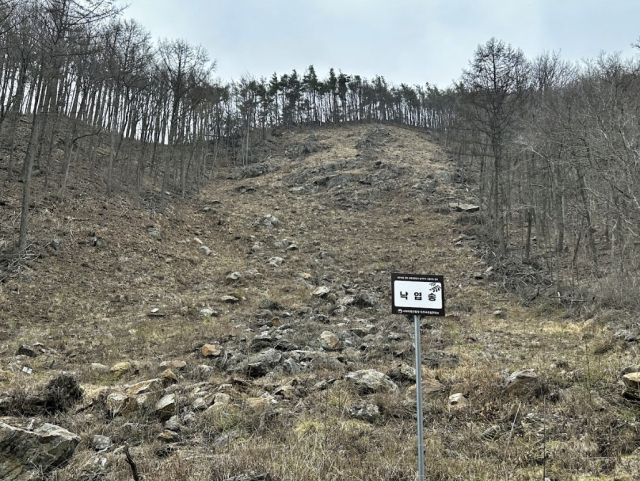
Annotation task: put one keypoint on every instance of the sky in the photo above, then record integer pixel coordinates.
(406, 41)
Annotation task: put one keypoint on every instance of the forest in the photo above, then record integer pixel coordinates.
(550, 148)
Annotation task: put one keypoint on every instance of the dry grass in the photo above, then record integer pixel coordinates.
(89, 304)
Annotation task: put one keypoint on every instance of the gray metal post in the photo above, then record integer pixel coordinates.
(416, 321)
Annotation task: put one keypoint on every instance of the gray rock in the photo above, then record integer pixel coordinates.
(522, 382)
(365, 412)
(275, 261)
(270, 221)
(166, 406)
(233, 277)
(329, 341)
(370, 381)
(260, 364)
(100, 443)
(43, 450)
(154, 232)
(468, 208)
(204, 250)
(321, 291)
(173, 424)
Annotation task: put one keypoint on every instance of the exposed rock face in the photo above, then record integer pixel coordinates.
(44, 449)
(522, 382)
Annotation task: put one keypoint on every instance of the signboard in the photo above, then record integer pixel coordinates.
(417, 294)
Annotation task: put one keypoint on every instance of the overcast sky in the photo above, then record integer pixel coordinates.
(410, 41)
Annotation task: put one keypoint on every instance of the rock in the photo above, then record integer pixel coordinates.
(96, 366)
(370, 381)
(346, 301)
(176, 364)
(211, 350)
(364, 299)
(468, 208)
(173, 423)
(263, 363)
(166, 407)
(169, 377)
(522, 382)
(61, 393)
(321, 291)
(56, 243)
(154, 232)
(121, 368)
(100, 443)
(499, 313)
(169, 436)
(270, 304)
(227, 299)
(207, 312)
(144, 387)
(275, 261)
(233, 277)
(632, 385)
(365, 412)
(26, 350)
(402, 373)
(329, 341)
(204, 250)
(40, 451)
(270, 221)
(119, 403)
(457, 400)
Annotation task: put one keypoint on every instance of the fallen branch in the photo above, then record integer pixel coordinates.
(134, 467)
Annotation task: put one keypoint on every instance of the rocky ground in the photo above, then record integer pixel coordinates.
(246, 334)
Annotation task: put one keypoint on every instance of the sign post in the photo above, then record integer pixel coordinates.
(418, 295)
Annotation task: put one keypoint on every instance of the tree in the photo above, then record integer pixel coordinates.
(492, 91)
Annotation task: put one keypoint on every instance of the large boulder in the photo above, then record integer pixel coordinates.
(370, 381)
(23, 451)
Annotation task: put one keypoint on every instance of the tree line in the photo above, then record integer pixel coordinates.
(555, 149)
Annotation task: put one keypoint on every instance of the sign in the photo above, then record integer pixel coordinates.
(417, 294)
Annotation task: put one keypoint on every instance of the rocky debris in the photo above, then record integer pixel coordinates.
(177, 365)
(24, 452)
(208, 312)
(369, 381)
(154, 232)
(261, 364)
(121, 368)
(26, 350)
(402, 373)
(228, 299)
(321, 291)
(270, 221)
(233, 277)
(253, 170)
(522, 382)
(270, 304)
(275, 261)
(631, 382)
(457, 400)
(55, 243)
(437, 359)
(119, 403)
(329, 341)
(169, 436)
(100, 443)
(166, 406)
(204, 250)
(365, 412)
(98, 367)
(461, 207)
(211, 350)
(173, 424)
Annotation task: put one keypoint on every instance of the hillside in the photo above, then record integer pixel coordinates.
(250, 310)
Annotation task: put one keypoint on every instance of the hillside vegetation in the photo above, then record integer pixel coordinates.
(245, 332)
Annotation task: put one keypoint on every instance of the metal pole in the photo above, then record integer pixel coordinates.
(416, 321)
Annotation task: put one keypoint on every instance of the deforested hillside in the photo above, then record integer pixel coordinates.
(245, 332)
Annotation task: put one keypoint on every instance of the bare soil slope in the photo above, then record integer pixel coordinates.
(228, 284)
